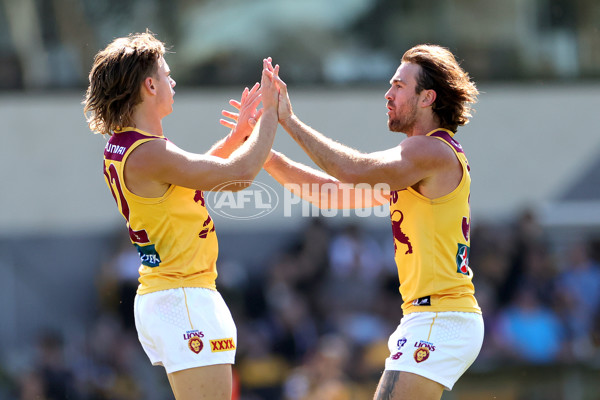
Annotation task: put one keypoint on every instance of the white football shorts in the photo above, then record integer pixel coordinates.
(185, 328)
(436, 345)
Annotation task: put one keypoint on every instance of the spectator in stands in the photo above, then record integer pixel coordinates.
(529, 331)
(578, 288)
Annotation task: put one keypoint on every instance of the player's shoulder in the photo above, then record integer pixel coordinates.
(422, 146)
(148, 154)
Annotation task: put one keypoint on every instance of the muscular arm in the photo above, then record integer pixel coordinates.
(224, 147)
(319, 188)
(163, 163)
(331, 156)
(155, 165)
(414, 162)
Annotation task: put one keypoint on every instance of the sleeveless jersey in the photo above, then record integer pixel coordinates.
(432, 244)
(174, 235)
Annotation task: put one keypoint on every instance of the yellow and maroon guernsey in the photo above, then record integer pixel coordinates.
(432, 244)
(174, 235)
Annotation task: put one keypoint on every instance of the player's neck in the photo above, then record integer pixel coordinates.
(147, 121)
(423, 127)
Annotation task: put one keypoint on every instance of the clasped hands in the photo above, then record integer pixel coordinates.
(272, 92)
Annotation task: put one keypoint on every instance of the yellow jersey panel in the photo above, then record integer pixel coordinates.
(432, 244)
(174, 234)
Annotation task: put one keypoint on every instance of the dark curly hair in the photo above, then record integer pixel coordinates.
(116, 78)
(454, 89)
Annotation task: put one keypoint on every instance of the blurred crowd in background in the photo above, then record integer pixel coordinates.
(314, 316)
(314, 319)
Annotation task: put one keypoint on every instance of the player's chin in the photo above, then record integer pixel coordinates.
(393, 127)
(391, 124)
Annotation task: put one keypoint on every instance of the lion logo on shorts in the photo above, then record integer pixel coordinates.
(421, 354)
(195, 344)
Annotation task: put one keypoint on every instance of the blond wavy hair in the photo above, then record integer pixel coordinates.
(116, 78)
(455, 90)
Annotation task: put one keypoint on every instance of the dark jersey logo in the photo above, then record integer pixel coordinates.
(422, 301)
(398, 234)
(462, 259)
(148, 255)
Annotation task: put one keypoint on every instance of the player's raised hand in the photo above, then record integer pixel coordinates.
(285, 106)
(270, 92)
(243, 122)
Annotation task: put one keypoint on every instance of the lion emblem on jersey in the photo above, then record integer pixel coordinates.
(421, 354)
(398, 234)
(195, 344)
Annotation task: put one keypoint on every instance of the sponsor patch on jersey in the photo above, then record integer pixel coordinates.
(422, 301)
(219, 345)
(428, 345)
(190, 334)
(195, 344)
(421, 354)
(462, 259)
(148, 255)
(401, 342)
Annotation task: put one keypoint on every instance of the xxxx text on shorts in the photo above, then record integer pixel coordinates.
(185, 328)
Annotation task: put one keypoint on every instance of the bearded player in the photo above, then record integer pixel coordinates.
(428, 176)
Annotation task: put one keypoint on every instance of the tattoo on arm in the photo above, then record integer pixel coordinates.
(385, 390)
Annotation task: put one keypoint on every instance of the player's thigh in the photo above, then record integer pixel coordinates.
(211, 382)
(400, 385)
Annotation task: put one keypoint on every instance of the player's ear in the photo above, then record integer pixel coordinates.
(149, 85)
(428, 98)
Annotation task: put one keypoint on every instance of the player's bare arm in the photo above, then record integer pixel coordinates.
(329, 155)
(424, 163)
(421, 161)
(154, 166)
(321, 189)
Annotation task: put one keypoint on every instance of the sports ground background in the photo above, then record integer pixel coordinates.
(314, 298)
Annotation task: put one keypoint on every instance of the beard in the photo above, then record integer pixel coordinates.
(404, 119)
